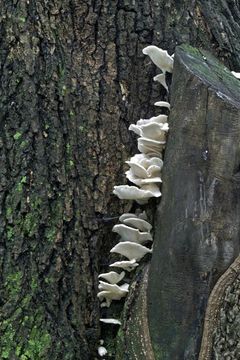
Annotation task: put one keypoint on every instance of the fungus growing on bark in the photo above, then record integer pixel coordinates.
(102, 351)
(138, 224)
(126, 192)
(161, 78)
(128, 265)
(111, 292)
(131, 250)
(112, 277)
(162, 104)
(111, 321)
(128, 233)
(236, 74)
(159, 57)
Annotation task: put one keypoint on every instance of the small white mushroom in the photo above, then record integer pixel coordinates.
(150, 146)
(111, 292)
(151, 130)
(161, 78)
(131, 250)
(113, 287)
(138, 224)
(111, 321)
(102, 351)
(126, 216)
(112, 277)
(159, 57)
(144, 166)
(160, 119)
(128, 265)
(236, 74)
(126, 192)
(162, 104)
(140, 182)
(130, 234)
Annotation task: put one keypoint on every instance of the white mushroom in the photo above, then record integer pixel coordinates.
(150, 146)
(126, 216)
(159, 57)
(160, 119)
(113, 287)
(111, 321)
(134, 193)
(131, 250)
(130, 234)
(161, 78)
(128, 265)
(162, 104)
(138, 224)
(112, 277)
(151, 130)
(110, 292)
(102, 351)
(144, 166)
(236, 74)
(140, 182)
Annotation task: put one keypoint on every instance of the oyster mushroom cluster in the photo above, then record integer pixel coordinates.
(144, 173)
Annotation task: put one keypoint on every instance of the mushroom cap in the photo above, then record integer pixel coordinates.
(144, 166)
(111, 321)
(138, 224)
(160, 119)
(112, 277)
(102, 351)
(151, 130)
(128, 233)
(111, 292)
(150, 146)
(134, 193)
(131, 250)
(162, 104)
(127, 215)
(161, 78)
(236, 74)
(159, 57)
(138, 181)
(128, 265)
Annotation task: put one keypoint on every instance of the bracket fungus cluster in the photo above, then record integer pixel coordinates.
(145, 174)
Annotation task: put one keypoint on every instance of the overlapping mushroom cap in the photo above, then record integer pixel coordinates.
(131, 250)
(160, 58)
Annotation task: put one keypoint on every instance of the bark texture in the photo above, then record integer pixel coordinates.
(197, 226)
(71, 80)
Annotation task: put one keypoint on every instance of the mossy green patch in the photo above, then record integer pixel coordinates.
(17, 135)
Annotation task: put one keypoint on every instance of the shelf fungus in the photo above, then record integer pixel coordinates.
(112, 277)
(145, 173)
(161, 78)
(139, 224)
(131, 250)
(128, 233)
(236, 74)
(141, 215)
(162, 104)
(126, 192)
(111, 321)
(160, 58)
(128, 265)
(110, 292)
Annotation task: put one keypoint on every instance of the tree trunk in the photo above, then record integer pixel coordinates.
(197, 225)
(72, 79)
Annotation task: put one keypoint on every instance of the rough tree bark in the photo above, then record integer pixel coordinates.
(71, 80)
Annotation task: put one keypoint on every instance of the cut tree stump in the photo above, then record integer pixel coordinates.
(198, 219)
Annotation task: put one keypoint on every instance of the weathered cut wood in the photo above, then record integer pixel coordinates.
(198, 223)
